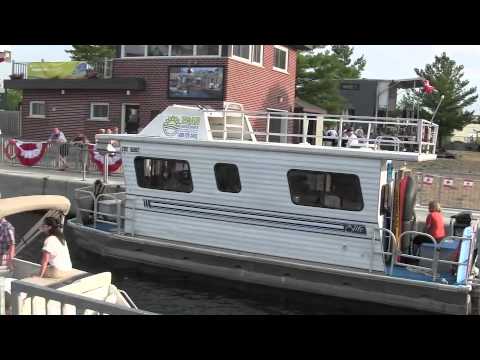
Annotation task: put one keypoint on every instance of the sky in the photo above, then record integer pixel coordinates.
(383, 61)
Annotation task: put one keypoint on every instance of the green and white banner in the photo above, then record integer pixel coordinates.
(57, 70)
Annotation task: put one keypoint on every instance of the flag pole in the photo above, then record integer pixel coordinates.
(439, 103)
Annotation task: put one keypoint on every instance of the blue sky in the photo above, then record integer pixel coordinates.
(383, 61)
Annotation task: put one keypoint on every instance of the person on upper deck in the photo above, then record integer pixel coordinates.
(56, 261)
(349, 138)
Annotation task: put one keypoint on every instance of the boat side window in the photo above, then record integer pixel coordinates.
(325, 190)
(163, 174)
(228, 178)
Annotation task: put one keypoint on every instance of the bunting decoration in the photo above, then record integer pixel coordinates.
(28, 154)
(114, 160)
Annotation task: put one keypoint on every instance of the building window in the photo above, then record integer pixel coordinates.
(280, 58)
(158, 50)
(241, 51)
(325, 190)
(99, 111)
(208, 50)
(171, 50)
(350, 87)
(228, 178)
(37, 109)
(196, 82)
(249, 53)
(133, 50)
(163, 174)
(182, 50)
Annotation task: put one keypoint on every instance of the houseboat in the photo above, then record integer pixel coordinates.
(219, 193)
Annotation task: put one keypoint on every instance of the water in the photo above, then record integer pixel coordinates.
(174, 292)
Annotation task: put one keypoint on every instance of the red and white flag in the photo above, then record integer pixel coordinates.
(468, 183)
(28, 154)
(448, 182)
(428, 180)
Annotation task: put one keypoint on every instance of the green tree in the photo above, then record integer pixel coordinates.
(91, 53)
(318, 75)
(13, 98)
(447, 77)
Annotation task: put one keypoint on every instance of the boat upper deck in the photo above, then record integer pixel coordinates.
(388, 138)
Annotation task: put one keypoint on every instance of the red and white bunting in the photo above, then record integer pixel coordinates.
(468, 184)
(448, 182)
(28, 154)
(114, 161)
(428, 180)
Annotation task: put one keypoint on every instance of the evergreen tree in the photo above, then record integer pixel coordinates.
(318, 75)
(91, 53)
(447, 78)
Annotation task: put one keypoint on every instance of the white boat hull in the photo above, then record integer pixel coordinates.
(277, 272)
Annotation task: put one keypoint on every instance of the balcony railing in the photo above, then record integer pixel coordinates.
(100, 69)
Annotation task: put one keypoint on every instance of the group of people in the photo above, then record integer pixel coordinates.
(350, 137)
(58, 137)
(55, 262)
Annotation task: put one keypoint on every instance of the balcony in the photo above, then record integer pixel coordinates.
(96, 70)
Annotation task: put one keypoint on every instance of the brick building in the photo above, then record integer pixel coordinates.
(145, 79)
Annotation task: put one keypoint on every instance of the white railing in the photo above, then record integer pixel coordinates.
(21, 291)
(379, 133)
(393, 252)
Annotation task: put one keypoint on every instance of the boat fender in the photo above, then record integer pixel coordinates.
(410, 196)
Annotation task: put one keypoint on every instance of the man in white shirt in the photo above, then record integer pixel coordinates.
(350, 137)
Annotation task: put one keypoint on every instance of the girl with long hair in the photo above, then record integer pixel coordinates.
(56, 261)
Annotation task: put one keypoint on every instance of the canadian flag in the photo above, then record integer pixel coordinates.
(468, 183)
(428, 180)
(448, 182)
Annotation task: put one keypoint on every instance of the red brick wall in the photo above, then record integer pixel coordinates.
(258, 88)
(255, 87)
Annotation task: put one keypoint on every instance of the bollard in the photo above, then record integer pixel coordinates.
(105, 169)
(2, 296)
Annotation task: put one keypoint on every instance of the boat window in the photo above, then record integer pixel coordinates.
(325, 189)
(163, 174)
(227, 177)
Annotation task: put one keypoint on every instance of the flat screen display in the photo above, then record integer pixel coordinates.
(195, 82)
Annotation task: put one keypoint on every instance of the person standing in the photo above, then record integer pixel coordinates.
(7, 243)
(58, 137)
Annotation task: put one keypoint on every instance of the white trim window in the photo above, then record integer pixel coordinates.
(99, 111)
(248, 53)
(142, 51)
(280, 58)
(37, 109)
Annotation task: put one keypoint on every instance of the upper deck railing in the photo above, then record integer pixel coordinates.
(101, 69)
(376, 133)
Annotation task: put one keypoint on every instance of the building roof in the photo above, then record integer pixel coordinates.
(84, 84)
(401, 83)
(307, 107)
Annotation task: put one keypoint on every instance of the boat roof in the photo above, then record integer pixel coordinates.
(283, 147)
(20, 204)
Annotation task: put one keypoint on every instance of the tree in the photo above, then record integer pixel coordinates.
(318, 75)
(13, 99)
(91, 53)
(447, 77)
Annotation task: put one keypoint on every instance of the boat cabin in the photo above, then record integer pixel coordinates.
(210, 179)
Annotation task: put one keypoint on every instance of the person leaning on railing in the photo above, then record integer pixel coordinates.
(57, 137)
(82, 141)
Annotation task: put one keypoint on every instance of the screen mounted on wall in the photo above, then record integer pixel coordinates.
(196, 82)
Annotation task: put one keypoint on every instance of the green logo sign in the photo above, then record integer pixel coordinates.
(185, 127)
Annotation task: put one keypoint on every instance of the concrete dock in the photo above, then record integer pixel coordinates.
(21, 181)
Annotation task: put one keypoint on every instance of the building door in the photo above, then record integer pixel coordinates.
(130, 118)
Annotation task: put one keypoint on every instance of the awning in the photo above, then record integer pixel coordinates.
(20, 204)
(306, 107)
(77, 84)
